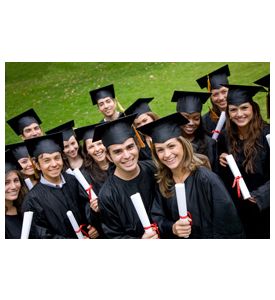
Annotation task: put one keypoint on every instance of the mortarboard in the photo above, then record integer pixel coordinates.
(189, 102)
(106, 91)
(19, 122)
(239, 94)
(10, 162)
(86, 132)
(45, 144)
(215, 79)
(66, 129)
(115, 132)
(264, 81)
(139, 107)
(164, 128)
(19, 150)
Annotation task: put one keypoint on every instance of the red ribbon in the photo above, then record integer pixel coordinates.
(89, 191)
(237, 181)
(216, 131)
(82, 230)
(187, 216)
(154, 226)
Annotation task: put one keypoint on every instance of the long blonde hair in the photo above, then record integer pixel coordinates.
(164, 175)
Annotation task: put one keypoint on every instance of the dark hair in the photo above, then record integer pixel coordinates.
(251, 145)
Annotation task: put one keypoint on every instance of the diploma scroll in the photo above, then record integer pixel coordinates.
(81, 179)
(140, 209)
(75, 225)
(26, 227)
(70, 171)
(237, 175)
(219, 126)
(181, 200)
(29, 183)
(268, 139)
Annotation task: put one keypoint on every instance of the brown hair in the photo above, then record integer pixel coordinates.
(251, 145)
(164, 175)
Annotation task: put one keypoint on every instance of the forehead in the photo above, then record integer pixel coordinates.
(32, 125)
(121, 146)
(222, 89)
(49, 155)
(70, 140)
(192, 115)
(172, 140)
(102, 100)
(240, 105)
(11, 174)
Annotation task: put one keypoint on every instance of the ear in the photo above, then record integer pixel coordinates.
(109, 156)
(22, 137)
(37, 166)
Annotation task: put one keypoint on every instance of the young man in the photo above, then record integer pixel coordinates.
(119, 218)
(56, 193)
(214, 82)
(105, 100)
(26, 125)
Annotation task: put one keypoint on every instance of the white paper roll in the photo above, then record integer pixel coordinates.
(29, 183)
(236, 172)
(268, 139)
(140, 209)
(26, 227)
(74, 224)
(81, 179)
(181, 199)
(70, 171)
(219, 126)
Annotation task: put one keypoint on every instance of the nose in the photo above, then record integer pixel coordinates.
(12, 185)
(53, 163)
(126, 154)
(239, 113)
(166, 153)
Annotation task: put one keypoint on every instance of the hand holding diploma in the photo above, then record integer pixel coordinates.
(26, 227)
(219, 126)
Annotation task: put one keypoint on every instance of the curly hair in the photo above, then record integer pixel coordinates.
(164, 175)
(251, 145)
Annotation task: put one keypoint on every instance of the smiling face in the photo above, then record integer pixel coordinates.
(27, 168)
(125, 157)
(170, 153)
(31, 131)
(71, 147)
(107, 106)
(143, 119)
(241, 115)
(12, 186)
(96, 150)
(194, 123)
(219, 97)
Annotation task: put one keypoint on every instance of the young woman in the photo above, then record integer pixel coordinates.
(189, 104)
(245, 139)
(212, 212)
(15, 191)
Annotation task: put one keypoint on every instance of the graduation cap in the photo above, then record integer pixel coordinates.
(19, 150)
(264, 81)
(139, 107)
(164, 128)
(115, 132)
(10, 162)
(239, 94)
(45, 144)
(106, 91)
(23, 120)
(189, 102)
(86, 132)
(215, 79)
(66, 129)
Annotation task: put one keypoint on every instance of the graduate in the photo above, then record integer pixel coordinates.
(214, 82)
(15, 190)
(106, 102)
(131, 176)
(72, 152)
(245, 139)
(212, 213)
(26, 125)
(265, 81)
(144, 116)
(189, 104)
(56, 193)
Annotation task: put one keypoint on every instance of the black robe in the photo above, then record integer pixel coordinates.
(255, 217)
(13, 226)
(145, 153)
(50, 205)
(213, 212)
(208, 124)
(119, 217)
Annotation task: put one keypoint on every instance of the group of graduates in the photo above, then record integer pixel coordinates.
(135, 151)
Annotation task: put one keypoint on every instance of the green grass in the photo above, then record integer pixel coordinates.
(59, 92)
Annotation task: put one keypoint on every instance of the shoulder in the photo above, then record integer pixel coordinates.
(205, 175)
(147, 165)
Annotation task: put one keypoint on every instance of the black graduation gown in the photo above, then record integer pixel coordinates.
(13, 226)
(120, 219)
(50, 205)
(145, 153)
(119, 116)
(213, 212)
(208, 124)
(255, 217)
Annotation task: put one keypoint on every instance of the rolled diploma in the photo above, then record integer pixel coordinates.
(81, 179)
(70, 171)
(219, 125)
(140, 209)
(74, 224)
(236, 172)
(26, 227)
(268, 139)
(181, 199)
(29, 183)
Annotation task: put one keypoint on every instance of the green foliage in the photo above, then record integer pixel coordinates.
(59, 92)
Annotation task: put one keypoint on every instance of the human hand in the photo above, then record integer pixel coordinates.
(182, 228)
